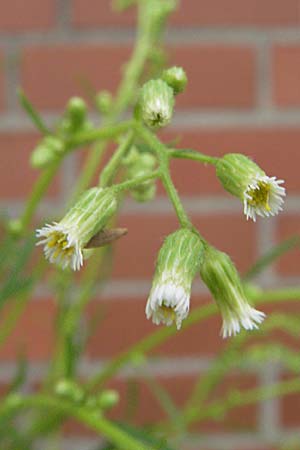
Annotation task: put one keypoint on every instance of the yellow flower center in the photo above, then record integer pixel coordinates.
(60, 243)
(168, 312)
(260, 196)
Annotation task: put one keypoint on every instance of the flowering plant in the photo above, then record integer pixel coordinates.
(79, 241)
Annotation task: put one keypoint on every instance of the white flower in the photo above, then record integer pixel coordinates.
(61, 245)
(156, 103)
(177, 263)
(222, 279)
(263, 197)
(234, 319)
(168, 303)
(65, 241)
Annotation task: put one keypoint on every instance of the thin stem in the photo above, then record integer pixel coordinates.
(110, 169)
(104, 133)
(162, 153)
(127, 88)
(194, 155)
(130, 184)
(93, 419)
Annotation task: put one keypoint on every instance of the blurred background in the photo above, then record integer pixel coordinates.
(242, 59)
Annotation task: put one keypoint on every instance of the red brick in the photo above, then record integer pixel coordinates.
(218, 76)
(17, 15)
(238, 13)
(289, 225)
(289, 408)
(121, 314)
(135, 254)
(50, 75)
(286, 73)
(2, 82)
(200, 13)
(33, 335)
(146, 408)
(100, 14)
(17, 177)
(275, 150)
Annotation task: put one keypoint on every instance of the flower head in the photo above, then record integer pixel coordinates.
(64, 241)
(156, 103)
(222, 279)
(178, 261)
(261, 195)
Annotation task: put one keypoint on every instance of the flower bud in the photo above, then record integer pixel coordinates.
(70, 390)
(107, 399)
(46, 152)
(178, 262)
(260, 194)
(76, 112)
(140, 164)
(104, 101)
(156, 103)
(222, 279)
(176, 78)
(64, 241)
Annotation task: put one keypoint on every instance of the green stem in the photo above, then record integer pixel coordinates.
(192, 154)
(127, 89)
(162, 153)
(104, 133)
(110, 169)
(130, 184)
(92, 419)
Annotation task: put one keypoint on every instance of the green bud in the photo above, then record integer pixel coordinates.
(76, 112)
(177, 264)
(156, 103)
(222, 279)
(104, 101)
(176, 78)
(107, 399)
(64, 241)
(46, 152)
(15, 227)
(140, 164)
(70, 390)
(260, 194)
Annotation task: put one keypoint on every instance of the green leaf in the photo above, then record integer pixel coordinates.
(32, 113)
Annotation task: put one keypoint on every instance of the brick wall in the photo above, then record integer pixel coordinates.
(243, 63)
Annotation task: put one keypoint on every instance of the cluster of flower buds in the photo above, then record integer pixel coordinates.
(73, 392)
(53, 147)
(47, 151)
(140, 163)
